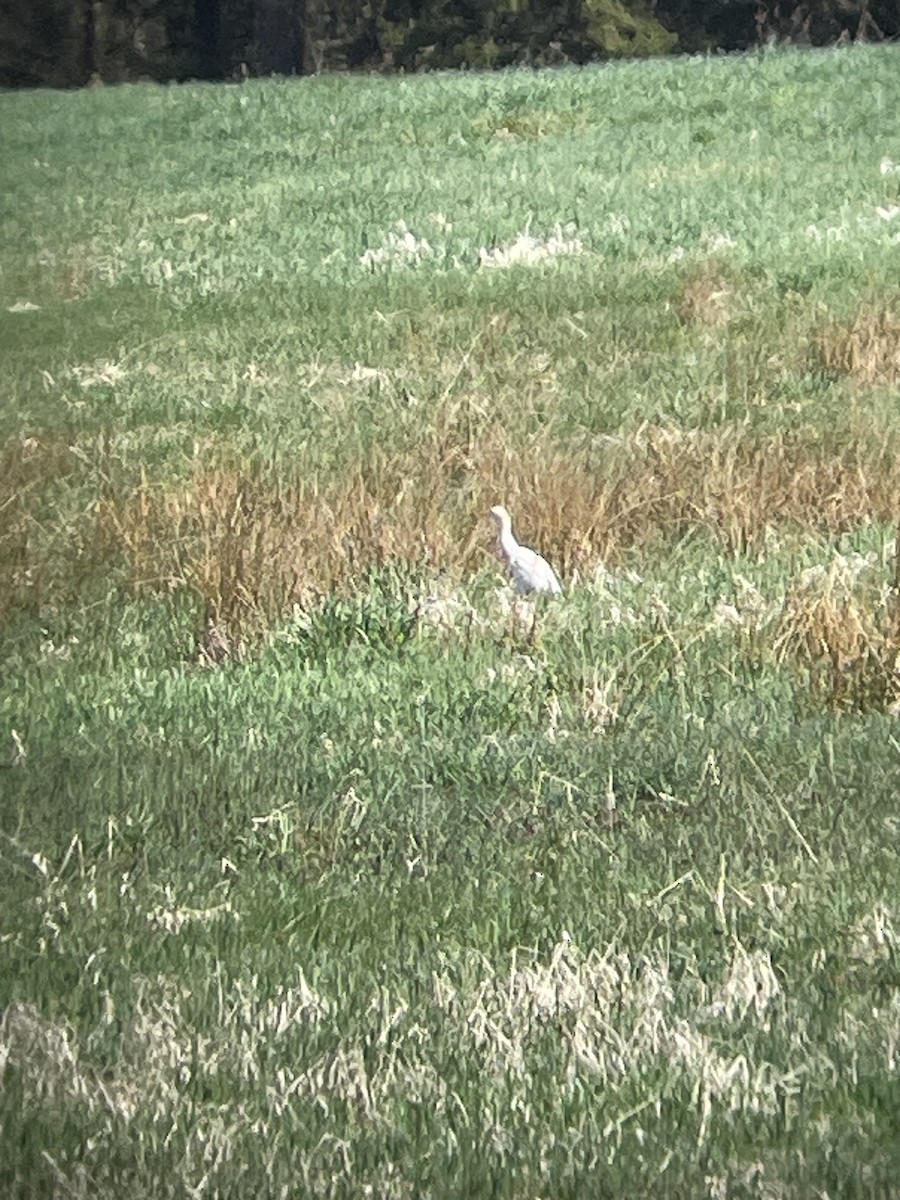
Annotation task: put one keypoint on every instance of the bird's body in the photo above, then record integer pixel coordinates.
(530, 572)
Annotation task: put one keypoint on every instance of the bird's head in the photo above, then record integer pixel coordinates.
(501, 517)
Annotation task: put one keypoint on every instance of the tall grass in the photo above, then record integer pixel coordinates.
(329, 867)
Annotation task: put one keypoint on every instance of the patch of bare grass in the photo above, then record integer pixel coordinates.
(574, 994)
(602, 1015)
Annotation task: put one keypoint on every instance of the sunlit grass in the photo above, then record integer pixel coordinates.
(331, 869)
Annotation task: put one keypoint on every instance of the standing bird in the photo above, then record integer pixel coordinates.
(530, 572)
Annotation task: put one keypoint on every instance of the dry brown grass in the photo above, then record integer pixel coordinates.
(252, 539)
(866, 348)
(841, 631)
(250, 545)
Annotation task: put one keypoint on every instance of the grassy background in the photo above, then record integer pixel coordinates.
(327, 868)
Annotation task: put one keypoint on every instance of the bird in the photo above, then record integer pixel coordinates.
(530, 572)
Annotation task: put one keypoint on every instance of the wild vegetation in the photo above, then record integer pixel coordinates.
(66, 43)
(329, 867)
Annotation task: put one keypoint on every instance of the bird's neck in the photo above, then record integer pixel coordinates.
(508, 543)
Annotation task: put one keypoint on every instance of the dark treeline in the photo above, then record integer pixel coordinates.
(73, 42)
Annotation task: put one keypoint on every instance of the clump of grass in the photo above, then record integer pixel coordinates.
(867, 348)
(237, 546)
(840, 630)
(252, 545)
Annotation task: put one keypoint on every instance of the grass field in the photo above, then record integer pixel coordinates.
(328, 868)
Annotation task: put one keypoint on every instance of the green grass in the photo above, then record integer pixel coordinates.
(329, 870)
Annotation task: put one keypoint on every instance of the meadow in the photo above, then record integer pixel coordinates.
(331, 869)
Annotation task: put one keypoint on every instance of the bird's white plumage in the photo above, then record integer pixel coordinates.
(530, 572)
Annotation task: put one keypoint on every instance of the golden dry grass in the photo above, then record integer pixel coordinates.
(250, 540)
(251, 545)
(841, 632)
